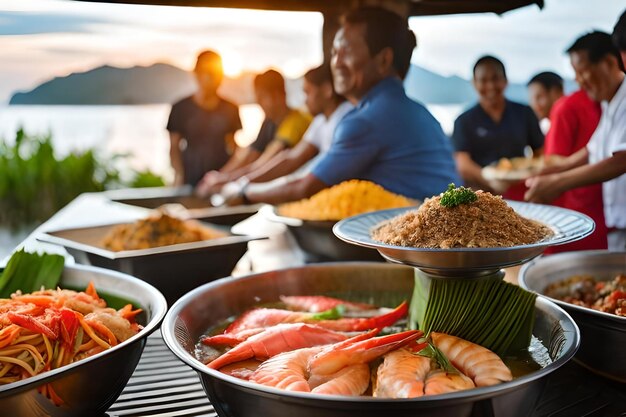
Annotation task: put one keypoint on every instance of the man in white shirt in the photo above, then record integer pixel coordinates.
(600, 72)
(328, 108)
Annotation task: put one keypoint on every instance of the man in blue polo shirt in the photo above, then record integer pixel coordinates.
(387, 138)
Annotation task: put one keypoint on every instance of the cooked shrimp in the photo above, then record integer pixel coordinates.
(242, 370)
(231, 339)
(266, 317)
(439, 381)
(479, 363)
(278, 339)
(351, 380)
(119, 326)
(401, 375)
(319, 303)
(336, 369)
(359, 349)
(286, 371)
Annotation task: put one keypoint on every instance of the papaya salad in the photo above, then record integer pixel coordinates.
(47, 329)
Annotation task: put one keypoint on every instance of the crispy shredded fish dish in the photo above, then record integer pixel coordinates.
(461, 218)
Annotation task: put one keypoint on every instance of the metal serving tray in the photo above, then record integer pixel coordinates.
(318, 242)
(197, 208)
(173, 269)
(603, 347)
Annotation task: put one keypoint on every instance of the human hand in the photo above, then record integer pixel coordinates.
(211, 183)
(232, 193)
(542, 188)
(553, 164)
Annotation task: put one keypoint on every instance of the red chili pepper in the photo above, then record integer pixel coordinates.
(31, 324)
(69, 326)
(616, 295)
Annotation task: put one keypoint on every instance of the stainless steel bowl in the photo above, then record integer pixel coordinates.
(568, 226)
(173, 269)
(603, 335)
(317, 241)
(380, 283)
(90, 386)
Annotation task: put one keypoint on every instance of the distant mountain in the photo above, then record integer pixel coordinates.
(111, 85)
(429, 87)
(164, 83)
(158, 83)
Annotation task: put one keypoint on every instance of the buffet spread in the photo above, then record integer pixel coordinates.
(439, 334)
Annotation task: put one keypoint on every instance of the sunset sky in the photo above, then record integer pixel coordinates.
(41, 39)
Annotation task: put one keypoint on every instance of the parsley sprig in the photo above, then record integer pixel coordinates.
(454, 196)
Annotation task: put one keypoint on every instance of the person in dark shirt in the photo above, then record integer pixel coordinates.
(202, 126)
(494, 128)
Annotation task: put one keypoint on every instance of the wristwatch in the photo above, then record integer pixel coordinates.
(243, 183)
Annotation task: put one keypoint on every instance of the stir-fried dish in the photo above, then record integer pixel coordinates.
(344, 200)
(48, 329)
(456, 220)
(587, 291)
(157, 230)
(351, 349)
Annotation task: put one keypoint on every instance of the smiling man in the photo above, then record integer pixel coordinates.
(600, 73)
(387, 138)
(492, 129)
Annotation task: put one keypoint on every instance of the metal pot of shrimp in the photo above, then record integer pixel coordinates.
(237, 388)
(588, 285)
(87, 386)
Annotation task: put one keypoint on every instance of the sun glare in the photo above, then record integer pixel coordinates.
(232, 63)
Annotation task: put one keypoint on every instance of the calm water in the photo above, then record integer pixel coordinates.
(138, 130)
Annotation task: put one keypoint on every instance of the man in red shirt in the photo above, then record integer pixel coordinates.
(573, 119)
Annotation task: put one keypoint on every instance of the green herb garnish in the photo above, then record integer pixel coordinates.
(334, 313)
(454, 196)
(444, 363)
(30, 272)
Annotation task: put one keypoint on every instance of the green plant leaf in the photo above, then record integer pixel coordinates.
(30, 272)
(334, 313)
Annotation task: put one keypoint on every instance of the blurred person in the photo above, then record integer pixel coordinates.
(544, 89)
(573, 119)
(202, 126)
(271, 95)
(387, 139)
(619, 37)
(600, 73)
(494, 128)
(329, 108)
